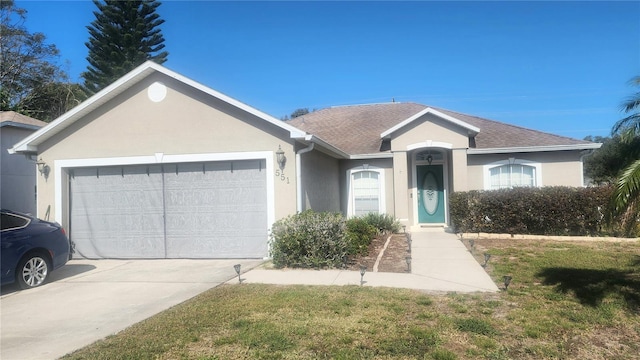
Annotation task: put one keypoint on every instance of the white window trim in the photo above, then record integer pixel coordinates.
(486, 171)
(381, 183)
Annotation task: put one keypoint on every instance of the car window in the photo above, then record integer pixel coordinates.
(9, 221)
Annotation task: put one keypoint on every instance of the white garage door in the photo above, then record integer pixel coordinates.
(187, 210)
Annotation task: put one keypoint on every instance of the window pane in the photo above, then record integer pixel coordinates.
(507, 176)
(366, 192)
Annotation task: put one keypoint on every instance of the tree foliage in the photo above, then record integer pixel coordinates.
(299, 112)
(627, 193)
(605, 165)
(123, 35)
(32, 82)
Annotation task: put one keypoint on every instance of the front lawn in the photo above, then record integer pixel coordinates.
(567, 300)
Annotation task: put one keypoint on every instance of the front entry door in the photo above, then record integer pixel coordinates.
(430, 194)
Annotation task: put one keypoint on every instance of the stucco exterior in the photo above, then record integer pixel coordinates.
(185, 122)
(559, 168)
(320, 182)
(398, 159)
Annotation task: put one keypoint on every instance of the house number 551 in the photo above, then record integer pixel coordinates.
(281, 175)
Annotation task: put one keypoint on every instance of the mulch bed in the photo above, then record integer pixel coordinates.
(393, 260)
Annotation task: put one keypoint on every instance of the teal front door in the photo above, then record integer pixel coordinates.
(430, 194)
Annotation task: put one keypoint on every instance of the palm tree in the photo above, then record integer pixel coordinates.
(627, 191)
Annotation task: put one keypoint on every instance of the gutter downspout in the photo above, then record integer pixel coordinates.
(299, 174)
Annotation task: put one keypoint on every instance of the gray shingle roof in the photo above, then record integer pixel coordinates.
(356, 129)
(13, 118)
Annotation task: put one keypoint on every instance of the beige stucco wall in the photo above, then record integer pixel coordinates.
(320, 182)
(187, 121)
(559, 168)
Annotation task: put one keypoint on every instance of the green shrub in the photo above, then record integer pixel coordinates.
(311, 240)
(385, 223)
(541, 211)
(360, 234)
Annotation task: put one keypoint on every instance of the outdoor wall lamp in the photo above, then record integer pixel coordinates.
(280, 158)
(363, 269)
(236, 267)
(507, 281)
(429, 159)
(43, 168)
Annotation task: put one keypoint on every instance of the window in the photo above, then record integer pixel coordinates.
(10, 222)
(366, 192)
(512, 173)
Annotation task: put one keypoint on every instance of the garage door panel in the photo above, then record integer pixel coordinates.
(211, 210)
(117, 212)
(191, 210)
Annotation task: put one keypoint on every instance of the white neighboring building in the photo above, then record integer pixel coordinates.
(17, 172)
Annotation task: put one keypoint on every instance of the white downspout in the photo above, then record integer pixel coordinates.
(299, 175)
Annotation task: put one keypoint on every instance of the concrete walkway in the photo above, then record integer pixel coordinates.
(440, 263)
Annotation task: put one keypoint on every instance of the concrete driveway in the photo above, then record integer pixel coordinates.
(87, 300)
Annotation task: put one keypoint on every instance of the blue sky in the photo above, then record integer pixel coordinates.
(559, 67)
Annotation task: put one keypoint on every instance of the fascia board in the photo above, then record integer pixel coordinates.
(472, 129)
(534, 149)
(308, 138)
(293, 131)
(386, 155)
(20, 125)
(31, 142)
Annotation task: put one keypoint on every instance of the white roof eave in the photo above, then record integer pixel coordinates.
(534, 149)
(30, 143)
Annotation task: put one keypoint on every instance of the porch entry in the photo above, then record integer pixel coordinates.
(430, 194)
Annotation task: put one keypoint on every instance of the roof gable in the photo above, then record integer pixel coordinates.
(30, 144)
(470, 128)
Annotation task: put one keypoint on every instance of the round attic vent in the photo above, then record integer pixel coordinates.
(157, 92)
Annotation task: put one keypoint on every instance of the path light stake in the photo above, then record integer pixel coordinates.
(404, 228)
(408, 264)
(507, 281)
(486, 259)
(363, 269)
(236, 267)
(471, 244)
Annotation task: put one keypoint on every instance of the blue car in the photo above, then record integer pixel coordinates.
(31, 249)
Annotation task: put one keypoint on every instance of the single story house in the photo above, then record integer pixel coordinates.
(159, 166)
(17, 172)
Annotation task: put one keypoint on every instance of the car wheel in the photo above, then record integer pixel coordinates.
(32, 271)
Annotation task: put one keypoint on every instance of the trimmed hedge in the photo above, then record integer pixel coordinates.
(310, 240)
(320, 239)
(537, 211)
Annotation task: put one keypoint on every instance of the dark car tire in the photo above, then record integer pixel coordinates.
(32, 271)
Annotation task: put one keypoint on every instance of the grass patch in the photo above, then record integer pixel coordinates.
(567, 300)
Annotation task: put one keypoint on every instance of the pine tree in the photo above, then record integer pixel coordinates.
(124, 35)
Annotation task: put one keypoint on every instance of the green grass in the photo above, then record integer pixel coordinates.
(566, 300)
